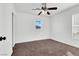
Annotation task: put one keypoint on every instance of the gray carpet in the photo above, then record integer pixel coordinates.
(46, 47)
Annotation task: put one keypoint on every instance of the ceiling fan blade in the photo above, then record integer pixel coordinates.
(39, 13)
(36, 9)
(53, 8)
(48, 13)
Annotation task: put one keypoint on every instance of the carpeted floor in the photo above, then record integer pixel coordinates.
(46, 47)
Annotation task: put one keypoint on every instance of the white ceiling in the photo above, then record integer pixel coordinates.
(27, 7)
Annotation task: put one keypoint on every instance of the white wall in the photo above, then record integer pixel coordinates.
(25, 29)
(62, 26)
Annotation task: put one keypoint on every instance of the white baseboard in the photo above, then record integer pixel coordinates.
(72, 42)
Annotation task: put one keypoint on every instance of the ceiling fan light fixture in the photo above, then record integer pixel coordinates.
(45, 9)
(39, 13)
(42, 12)
(48, 13)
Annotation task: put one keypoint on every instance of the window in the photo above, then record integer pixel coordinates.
(38, 24)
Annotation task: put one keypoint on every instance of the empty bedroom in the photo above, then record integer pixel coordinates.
(39, 29)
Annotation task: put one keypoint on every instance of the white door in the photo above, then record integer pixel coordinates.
(6, 28)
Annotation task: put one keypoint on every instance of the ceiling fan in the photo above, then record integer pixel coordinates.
(45, 9)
